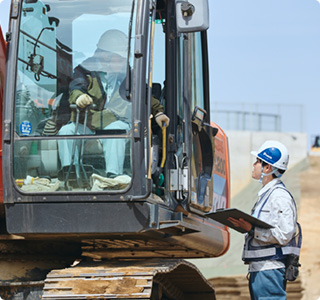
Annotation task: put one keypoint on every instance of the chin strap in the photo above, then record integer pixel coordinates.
(275, 171)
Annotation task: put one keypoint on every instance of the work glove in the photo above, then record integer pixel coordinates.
(84, 100)
(162, 118)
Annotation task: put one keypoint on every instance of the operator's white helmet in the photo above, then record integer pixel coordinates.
(273, 153)
(114, 41)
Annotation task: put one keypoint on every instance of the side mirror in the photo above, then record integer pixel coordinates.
(192, 16)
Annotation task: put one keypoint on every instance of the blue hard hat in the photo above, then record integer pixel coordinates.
(273, 153)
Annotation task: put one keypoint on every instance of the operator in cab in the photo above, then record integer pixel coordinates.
(99, 85)
(267, 250)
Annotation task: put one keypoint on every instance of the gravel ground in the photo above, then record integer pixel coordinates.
(309, 218)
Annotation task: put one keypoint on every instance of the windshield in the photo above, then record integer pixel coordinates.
(73, 60)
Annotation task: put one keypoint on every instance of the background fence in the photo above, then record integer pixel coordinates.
(259, 117)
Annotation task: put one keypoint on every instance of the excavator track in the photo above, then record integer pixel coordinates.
(29, 290)
(154, 280)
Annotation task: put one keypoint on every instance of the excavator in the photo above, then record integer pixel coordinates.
(315, 148)
(74, 230)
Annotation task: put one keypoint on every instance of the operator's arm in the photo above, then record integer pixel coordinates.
(85, 88)
(158, 112)
(79, 85)
(156, 107)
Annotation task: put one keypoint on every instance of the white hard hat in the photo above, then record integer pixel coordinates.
(114, 41)
(273, 153)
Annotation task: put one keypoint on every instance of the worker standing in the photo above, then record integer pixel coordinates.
(266, 250)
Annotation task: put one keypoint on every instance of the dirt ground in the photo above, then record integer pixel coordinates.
(309, 218)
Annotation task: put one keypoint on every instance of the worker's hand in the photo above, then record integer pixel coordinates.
(241, 223)
(162, 118)
(84, 100)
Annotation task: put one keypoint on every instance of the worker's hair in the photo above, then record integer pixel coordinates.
(263, 163)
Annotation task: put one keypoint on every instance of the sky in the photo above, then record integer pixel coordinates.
(4, 14)
(266, 53)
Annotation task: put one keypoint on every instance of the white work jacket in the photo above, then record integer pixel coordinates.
(275, 206)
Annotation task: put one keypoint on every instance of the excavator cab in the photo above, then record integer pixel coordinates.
(82, 154)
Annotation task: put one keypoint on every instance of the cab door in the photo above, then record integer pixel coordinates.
(199, 132)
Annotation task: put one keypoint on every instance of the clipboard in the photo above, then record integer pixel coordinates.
(222, 217)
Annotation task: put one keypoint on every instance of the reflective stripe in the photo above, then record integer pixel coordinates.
(259, 253)
(291, 250)
(269, 253)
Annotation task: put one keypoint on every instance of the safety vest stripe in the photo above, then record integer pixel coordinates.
(259, 253)
(291, 250)
(251, 253)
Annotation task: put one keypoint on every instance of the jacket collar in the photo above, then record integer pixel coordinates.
(269, 185)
